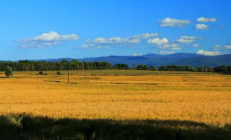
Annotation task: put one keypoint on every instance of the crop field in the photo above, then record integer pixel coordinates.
(120, 95)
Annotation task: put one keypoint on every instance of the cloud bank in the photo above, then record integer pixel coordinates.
(167, 52)
(201, 26)
(46, 40)
(208, 53)
(187, 39)
(136, 54)
(163, 44)
(203, 19)
(158, 41)
(101, 42)
(168, 22)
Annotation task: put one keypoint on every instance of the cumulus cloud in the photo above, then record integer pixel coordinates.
(136, 54)
(106, 42)
(114, 40)
(167, 52)
(196, 45)
(119, 40)
(201, 26)
(209, 53)
(158, 41)
(145, 36)
(45, 40)
(168, 22)
(38, 44)
(51, 36)
(187, 39)
(164, 44)
(203, 19)
(217, 47)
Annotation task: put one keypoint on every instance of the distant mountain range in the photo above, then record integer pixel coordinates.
(190, 59)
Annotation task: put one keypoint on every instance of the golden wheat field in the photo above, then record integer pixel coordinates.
(120, 95)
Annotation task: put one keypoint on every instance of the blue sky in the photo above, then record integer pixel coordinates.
(41, 29)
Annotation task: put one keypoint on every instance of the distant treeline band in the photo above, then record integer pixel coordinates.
(26, 65)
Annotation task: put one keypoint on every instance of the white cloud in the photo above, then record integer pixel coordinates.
(115, 40)
(38, 44)
(119, 40)
(217, 47)
(51, 36)
(168, 22)
(106, 42)
(203, 19)
(201, 26)
(137, 54)
(158, 41)
(228, 47)
(187, 39)
(145, 35)
(181, 40)
(164, 44)
(209, 53)
(167, 52)
(196, 45)
(92, 46)
(46, 40)
(170, 46)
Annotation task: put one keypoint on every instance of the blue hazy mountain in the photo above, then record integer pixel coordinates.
(190, 59)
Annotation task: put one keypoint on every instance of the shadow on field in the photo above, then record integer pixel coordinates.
(27, 127)
(3, 77)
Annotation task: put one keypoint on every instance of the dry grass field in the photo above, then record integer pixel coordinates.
(120, 95)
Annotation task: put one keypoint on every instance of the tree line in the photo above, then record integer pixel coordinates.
(218, 69)
(26, 65)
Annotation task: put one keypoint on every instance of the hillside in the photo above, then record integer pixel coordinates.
(194, 60)
(190, 59)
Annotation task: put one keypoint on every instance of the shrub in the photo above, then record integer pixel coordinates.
(40, 73)
(58, 73)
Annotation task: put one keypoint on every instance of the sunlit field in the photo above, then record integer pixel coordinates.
(120, 95)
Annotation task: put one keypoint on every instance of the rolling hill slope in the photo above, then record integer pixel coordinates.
(190, 59)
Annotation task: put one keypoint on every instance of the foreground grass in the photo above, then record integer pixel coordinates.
(25, 127)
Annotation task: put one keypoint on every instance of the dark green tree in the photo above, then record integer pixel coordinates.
(229, 69)
(8, 71)
(162, 68)
(140, 67)
(224, 69)
(134, 67)
(153, 68)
